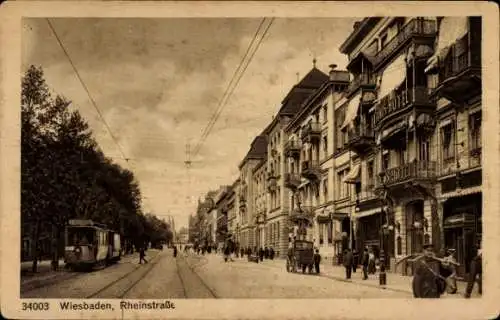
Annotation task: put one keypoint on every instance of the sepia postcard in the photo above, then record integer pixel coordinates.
(263, 160)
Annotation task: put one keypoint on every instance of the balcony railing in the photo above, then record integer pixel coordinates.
(292, 180)
(416, 27)
(308, 165)
(395, 102)
(408, 171)
(360, 80)
(464, 54)
(359, 132)
(292, 147)
(311, 129)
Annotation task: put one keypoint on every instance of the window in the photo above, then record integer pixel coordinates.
(325, 146)
(424, 150)
(386, 160)
(329, 232)
(475, 131)
(339, 119)
(321, 232)
(325, 189)
(342, 188)
(325, 114)
(370, 174)
(401, 155)
(383, 40)
(448, 142)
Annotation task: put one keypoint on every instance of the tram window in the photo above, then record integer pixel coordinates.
(80, 236)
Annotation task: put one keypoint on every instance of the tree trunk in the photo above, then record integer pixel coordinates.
(34, 246)
(55, 247)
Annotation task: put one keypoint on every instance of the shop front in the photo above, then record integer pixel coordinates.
(462, 224)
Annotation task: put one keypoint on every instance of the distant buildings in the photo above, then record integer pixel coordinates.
(385, 155)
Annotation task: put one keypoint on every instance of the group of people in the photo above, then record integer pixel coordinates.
(351, 261)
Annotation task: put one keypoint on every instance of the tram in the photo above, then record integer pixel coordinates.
(89, 244)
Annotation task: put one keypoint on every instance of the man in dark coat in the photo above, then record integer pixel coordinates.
(261, 254)
(355, 260)
(426, 283)
(364, 263)
(476, 274)
(271, 252)
(348, 263)
(266, 253)
(317, 260)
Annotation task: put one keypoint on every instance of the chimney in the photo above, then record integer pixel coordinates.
(332, 71)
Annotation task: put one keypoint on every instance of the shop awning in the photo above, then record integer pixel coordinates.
(461, 193)
(450, 30)
(323, 218)
(422, 119)
(339, 216)
(366, 213)
(352, 111)
(390, 131)
(459, 220)
(353, 175)
(392, 76)
(340, 102)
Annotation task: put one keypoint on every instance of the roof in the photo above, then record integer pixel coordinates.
(360, 30)
(309, 83)
(258, 149)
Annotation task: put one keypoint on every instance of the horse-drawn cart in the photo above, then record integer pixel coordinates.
(300, 256)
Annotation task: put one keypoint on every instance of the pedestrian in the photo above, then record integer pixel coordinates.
(425, 283)
(475, 274)
(242, 252)
(142, 255)
(348, 263)
(272, 253)
(317, 260)
(364, 262)
(355, 260)
(261, 254)
(266, 253)
(226, 253)
(371, 262)
(175, 251)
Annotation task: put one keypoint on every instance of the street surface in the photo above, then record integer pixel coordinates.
(208, 276)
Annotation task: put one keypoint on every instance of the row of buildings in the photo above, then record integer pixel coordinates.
(386, 154)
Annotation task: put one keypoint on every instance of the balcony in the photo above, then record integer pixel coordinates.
(272, 183)
(311, 132)
(418, 29)
(460, 71)
(292, 181)
(360, 139)
(409, 172)
(292, 149)
(398, 103)
(361, 81)
(310, 169)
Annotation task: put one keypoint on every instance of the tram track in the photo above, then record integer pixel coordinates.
(184, 280)
(115, 283)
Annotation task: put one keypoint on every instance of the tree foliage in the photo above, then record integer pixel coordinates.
(64, 174)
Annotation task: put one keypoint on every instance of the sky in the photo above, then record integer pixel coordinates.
(157, 82)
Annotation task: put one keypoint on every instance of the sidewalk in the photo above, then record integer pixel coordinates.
(46, 276)
(395, 282)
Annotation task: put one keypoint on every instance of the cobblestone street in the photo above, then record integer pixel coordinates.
(208, 276)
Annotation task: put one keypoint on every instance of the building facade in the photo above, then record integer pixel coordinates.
(247, 189)
(404, 79)
(386, 155)
(309, 154)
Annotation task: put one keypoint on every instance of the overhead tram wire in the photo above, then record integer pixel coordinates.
(219, 111)
(212, 119)
(94, 104)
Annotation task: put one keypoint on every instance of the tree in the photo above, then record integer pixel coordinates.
(65, 175)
